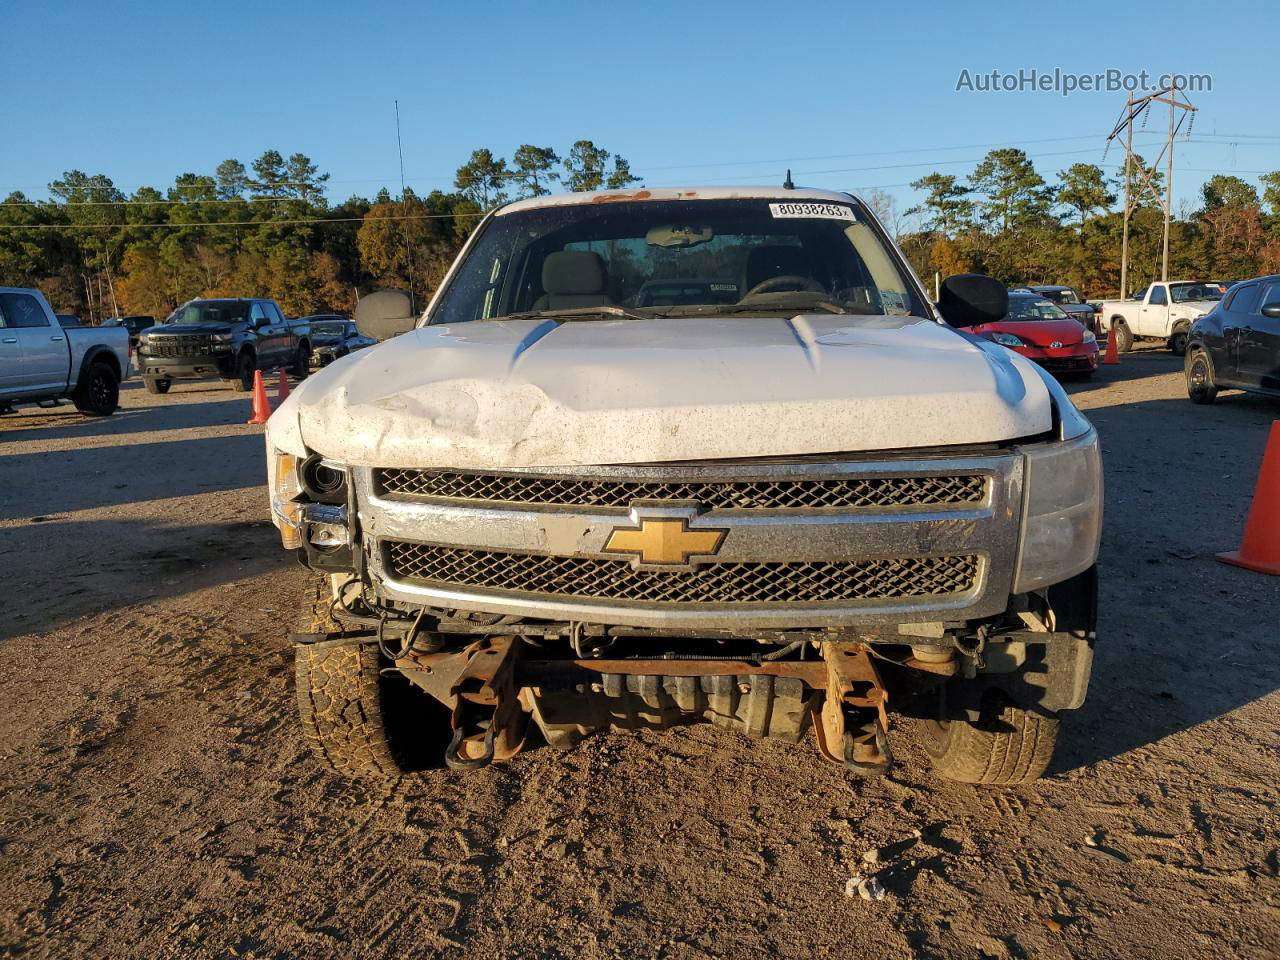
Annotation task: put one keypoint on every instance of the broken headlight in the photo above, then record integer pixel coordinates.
(286, 488)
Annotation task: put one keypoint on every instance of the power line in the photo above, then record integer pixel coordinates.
(226, 223)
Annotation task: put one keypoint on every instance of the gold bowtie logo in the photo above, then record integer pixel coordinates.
(664, 541)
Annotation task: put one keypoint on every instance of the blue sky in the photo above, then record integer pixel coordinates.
(849, 95)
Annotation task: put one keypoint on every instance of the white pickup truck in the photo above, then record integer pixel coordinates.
(663, 456)
(41, 361)
(1163, 311)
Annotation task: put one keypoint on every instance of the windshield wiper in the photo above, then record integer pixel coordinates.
(578, 313)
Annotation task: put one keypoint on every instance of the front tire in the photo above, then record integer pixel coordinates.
(1201, 386)
(98, 392)
(156, 385)
(301, 364)
(1178, 342)
(1007, 745)
(358, 722)
(245, 367)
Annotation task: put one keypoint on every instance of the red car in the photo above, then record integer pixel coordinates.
(1042, 331)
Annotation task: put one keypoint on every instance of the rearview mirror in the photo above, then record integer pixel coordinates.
(970, 299)
(1271, 310)
(385, 314)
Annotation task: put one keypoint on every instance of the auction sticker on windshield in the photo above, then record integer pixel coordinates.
(828, 211)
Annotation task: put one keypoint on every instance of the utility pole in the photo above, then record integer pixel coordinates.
(1180, 108)
(1124, 236)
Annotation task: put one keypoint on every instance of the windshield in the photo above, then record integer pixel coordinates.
(330, 328)
(211, 311)
(1060, 296)
(1201, 290)
(1033, 308)
(677, 258)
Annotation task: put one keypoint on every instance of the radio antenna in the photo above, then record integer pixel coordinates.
(404, 208)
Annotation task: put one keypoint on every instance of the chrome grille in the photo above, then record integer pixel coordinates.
(826, 581)
(787, 493)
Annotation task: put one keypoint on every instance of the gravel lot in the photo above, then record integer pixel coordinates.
(156, 798)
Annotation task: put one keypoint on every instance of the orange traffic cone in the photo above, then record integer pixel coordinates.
(1260, 551)
(261, 408)
(1112, 355)
(283, 390)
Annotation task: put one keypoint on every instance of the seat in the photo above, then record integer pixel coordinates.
(765, 263)
(573, 278)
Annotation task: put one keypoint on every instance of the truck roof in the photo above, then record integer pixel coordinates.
(676, 193)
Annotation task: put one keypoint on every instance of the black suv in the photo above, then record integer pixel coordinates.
(229, 339)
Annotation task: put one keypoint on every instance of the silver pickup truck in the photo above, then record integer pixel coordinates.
(668, 456)
(40, 360)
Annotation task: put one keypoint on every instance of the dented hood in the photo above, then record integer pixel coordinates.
(537, 392)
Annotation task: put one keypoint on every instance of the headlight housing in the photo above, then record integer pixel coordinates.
(1007, 339)
(285, 483)
(1089, 337)
(1062, 510)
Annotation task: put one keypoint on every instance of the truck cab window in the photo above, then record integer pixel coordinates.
(1158, 297)
(22, 310)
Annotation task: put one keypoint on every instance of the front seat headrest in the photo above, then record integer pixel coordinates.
(573, 273)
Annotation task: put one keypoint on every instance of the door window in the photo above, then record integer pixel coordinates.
(22, 310)
(1245, 300)
(256, 316)
(273, 312)
(1158, 298)
(1271, 297)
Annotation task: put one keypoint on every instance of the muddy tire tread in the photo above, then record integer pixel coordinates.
(339, 698)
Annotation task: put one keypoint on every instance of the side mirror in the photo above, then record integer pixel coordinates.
(385, 314)
(1272, 310)
(258, 323)
(970, 299)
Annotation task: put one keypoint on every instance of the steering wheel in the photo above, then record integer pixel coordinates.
(787, 280)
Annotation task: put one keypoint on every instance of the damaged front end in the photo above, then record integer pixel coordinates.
(777, 599)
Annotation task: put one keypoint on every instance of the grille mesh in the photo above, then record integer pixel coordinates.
(177, 345)
(780, 494)
(826, 581)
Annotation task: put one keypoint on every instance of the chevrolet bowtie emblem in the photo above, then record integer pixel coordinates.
(664, 541)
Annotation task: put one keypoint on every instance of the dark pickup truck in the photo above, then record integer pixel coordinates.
(228, 339)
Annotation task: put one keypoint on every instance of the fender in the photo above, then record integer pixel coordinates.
(99, 352)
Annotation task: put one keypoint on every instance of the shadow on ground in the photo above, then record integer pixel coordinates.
(1157, 669)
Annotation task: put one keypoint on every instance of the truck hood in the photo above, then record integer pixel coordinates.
(1195, 307)
(540, 392)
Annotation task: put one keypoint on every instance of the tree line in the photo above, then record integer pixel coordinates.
(268, 229)
(264, 230)
(1006, 220)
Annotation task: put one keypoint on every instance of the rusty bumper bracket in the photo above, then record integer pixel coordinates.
(853, 727)
(479, 684)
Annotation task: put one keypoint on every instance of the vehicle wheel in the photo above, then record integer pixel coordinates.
(360, 723)
(301, 364)
(1178, 342)
(98, 392)
(1201, 387)
(155, 385)
(1006, 745)
(1124, 336)
(245, 367)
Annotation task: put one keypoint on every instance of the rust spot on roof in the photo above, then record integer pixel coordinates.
(618, 197)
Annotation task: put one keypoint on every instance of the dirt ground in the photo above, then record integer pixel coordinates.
(156, 798)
